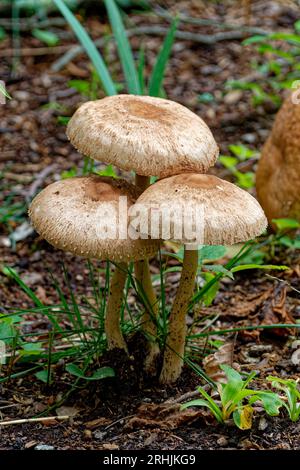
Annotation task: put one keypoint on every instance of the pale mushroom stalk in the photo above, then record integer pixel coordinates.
(115, 299)
(143, 277)
(174, 352)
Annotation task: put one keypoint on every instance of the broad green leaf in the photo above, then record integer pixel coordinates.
(211, 252)
(211, 293)
(243, 417)
(297, 26)
(286, 224)
(42, 375)
(242, 151)
(82, 86)
(89, 47)
(124, 49)
(232, 387)
(271, 402)
(102, 373)
(47, 37)
(228, 162)
(158, 72)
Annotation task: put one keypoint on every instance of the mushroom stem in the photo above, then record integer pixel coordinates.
(143, 276)
(112, 319)
(174, 353)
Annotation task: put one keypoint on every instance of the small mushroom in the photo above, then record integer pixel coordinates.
(151, 136)
(227, 214)
(81, 215)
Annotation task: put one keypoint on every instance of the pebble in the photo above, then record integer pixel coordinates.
(233, 97)
(222, 441)
(263, 424)
(249, 138)
(100, 435)
(43, 447)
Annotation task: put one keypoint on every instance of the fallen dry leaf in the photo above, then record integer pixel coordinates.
(211, 363)
(96, 423)
(67, 411)
(162, 416)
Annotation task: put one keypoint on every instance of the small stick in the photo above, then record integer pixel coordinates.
(33, 420)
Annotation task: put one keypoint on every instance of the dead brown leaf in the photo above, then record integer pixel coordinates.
(163, 416)
(211, 363)
(96, 423)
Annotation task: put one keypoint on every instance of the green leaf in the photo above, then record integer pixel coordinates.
(211, 293)
(47, 37)
(42, 375)
(244, 267)
(4, 92)
(141, 69)
(286, 224)
(228, 162)
(232, 387)
(297, 26)
(218, 268)
(158, 72)
(108, 171)
(206, 404)
(254, 39)
(245, 180)
(211, 252)
(242, 151)
(124, 49)
(206, 98)
(82, 86)
(242, 417)
(271, 402)
(99, 374)
(2, 33)
(89, 47)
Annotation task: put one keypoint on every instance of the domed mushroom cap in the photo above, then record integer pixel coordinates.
(202, 209)
(82, 215)
(151, 136)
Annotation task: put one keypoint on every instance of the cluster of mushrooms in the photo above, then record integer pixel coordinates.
(152, 137)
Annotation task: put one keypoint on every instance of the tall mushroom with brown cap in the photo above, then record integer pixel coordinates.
(227, 215)
(82, 215)
(277, 175)
(151, 136)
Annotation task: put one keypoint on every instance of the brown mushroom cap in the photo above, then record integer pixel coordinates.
(151, 136)
(229, 214)
(68, 214)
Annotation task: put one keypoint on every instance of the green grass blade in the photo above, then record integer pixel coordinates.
(141, 69)
(124, 49)
(158, 72)
(90, 48)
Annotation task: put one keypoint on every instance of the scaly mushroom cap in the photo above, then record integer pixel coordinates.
(81, 215)
(151, 136)
(227, 214)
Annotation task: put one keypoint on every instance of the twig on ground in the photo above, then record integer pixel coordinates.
(33, 420)
(185, 396)
(39, 179)
(157, 30)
